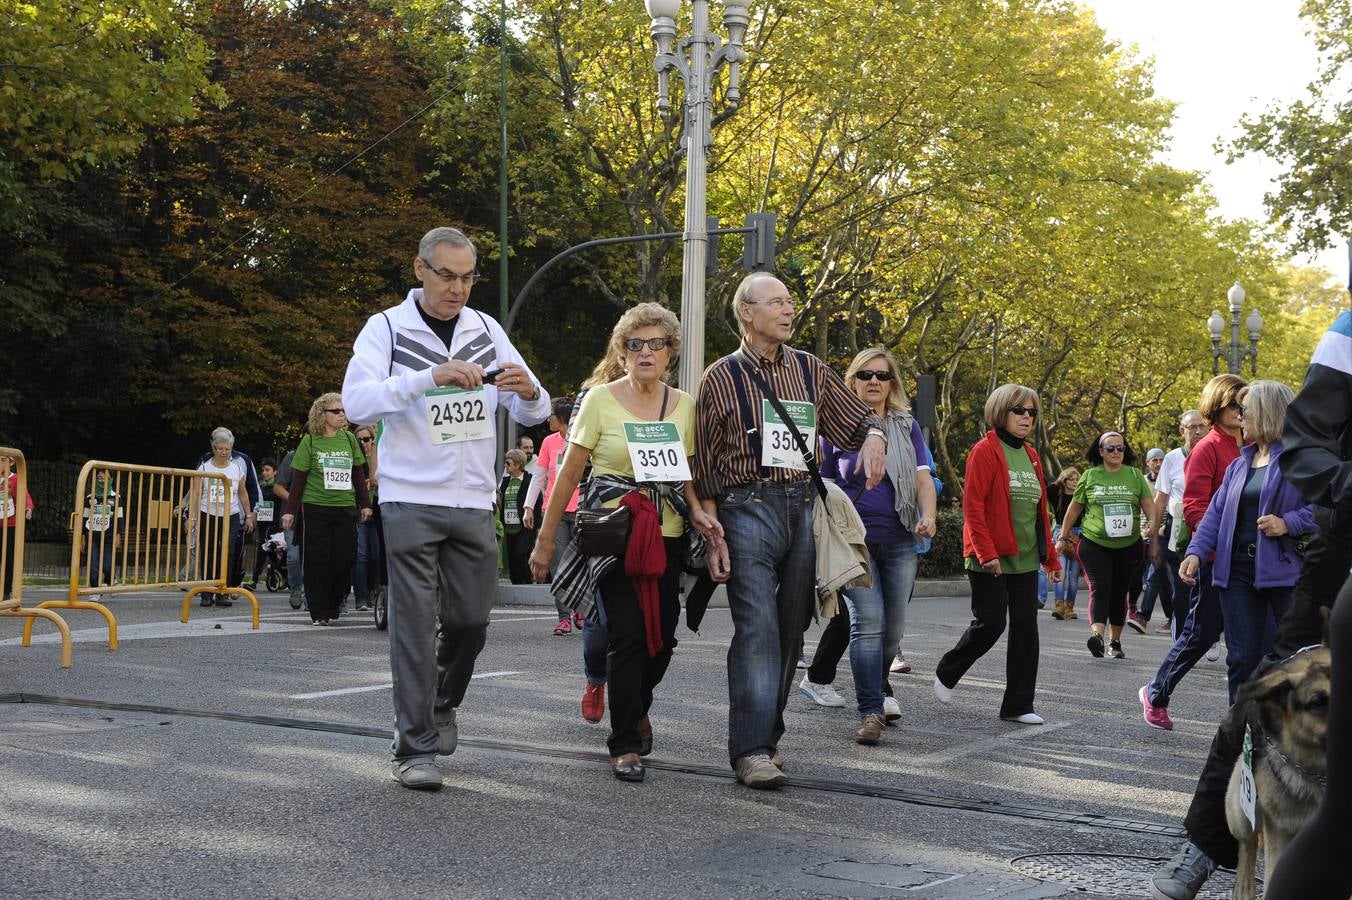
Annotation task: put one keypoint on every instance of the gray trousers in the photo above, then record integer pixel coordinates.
(443, 564)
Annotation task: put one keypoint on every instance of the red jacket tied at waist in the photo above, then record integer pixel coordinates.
(645, 561)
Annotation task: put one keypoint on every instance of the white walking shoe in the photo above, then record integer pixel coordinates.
(1025, 719)
(820, 694)
(944, 694)
(891, 709)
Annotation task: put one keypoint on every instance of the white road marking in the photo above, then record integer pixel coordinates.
(382, 687)
(150, 630)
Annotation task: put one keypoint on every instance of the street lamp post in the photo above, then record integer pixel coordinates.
(1235, 354)
(695, 59)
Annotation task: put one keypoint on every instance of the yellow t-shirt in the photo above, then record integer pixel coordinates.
(599, 426)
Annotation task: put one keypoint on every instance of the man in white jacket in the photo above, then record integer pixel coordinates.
(419, 368)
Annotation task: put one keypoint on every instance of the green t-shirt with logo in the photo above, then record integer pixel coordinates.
(511, 515)
(1025, 494)
(329, 462)
(1112, 505)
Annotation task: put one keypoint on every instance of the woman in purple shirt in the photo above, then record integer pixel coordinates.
(900, 508)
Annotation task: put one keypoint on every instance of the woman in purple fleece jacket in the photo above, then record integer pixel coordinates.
(1254, 526)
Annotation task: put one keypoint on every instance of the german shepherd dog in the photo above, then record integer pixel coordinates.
(1291, 706)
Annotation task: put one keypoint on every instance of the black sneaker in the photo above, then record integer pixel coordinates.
(206, 599)
(224, 600)
(1095, 645)
(1115, 650)
(1183, 876)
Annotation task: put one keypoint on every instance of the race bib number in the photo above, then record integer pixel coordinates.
(264, 513)
(778, 448)
(455, 415)
(337, 479)
(215, 493)
(1118, 521)
(1248, 792)
(99, 519)
(656, 451)
(511, 515)
(9, 507)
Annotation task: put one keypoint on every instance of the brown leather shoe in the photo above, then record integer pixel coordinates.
(645, 736)
(756, 771)
(870, 729)
(627, 767)
(777, 760)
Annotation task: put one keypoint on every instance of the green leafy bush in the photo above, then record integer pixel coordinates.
(944, 559)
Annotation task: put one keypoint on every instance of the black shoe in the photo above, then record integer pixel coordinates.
(224, 600)
(627, 767)
(206, 599)
(1095, 645)
(1115, 650)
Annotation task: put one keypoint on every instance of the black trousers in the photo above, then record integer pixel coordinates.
(6, 587)
(995, 598)
(328, 551)
(1324, 570)
(209, 547)
(519, 547)
(634, 675)
(1109, 572)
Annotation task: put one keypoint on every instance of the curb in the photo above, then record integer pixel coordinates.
(539, 595)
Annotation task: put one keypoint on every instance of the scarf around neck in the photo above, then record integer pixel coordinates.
(901, 467)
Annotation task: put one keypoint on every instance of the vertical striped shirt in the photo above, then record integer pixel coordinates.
(727, 445)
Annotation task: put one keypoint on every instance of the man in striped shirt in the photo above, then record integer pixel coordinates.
(749, 475)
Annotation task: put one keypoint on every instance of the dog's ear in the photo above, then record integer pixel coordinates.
(1276, 683)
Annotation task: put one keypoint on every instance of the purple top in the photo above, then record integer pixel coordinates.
(1276, 563)
(878, 507)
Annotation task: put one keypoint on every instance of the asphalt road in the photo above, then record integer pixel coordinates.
(198, 761)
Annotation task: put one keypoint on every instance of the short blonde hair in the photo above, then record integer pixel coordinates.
(516, 456)
(1220, 392)
(1003, 399)
(897, 400)
(1066, 473)
(316, 423)
(1265, 404)
(643, 315)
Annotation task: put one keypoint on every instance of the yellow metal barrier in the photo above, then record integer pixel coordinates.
(14, 505)
(127, 535)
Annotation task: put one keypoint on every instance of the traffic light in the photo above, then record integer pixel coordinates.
(759, 255)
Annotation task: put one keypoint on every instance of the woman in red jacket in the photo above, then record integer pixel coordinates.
(1006, 535)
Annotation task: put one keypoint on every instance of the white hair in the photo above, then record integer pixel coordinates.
(222, 436)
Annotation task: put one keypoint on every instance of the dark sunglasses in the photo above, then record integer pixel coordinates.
(1024, 411)
(1114, 448)
(366, 440)
(869, 375)
(336, 411)
(634, 345)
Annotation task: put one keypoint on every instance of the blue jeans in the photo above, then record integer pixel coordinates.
(1201, 629)
(1069, 585)
(878, 620)
(768, 528)
(595, 639)
(366, 571)
(1251, 617)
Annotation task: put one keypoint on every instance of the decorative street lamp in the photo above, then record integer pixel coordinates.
(1234, 354)
(695, 59)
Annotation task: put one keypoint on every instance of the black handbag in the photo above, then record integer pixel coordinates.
(603, 532)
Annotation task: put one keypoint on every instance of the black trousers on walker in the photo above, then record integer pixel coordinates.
(995, 598)
(328, 551)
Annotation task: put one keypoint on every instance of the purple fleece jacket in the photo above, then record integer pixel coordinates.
(1276, 563)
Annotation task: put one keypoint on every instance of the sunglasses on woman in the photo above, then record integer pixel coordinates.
(634, 345)
(869, 375)
(1024, 411)
(1114, 448)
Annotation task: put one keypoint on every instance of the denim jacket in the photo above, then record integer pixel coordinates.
(1276, 563)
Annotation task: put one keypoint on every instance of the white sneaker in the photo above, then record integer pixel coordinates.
(820, 694)
(891, 709)
(95, 598)
(1214, 653)
(1025, 719)
(944, 694)
(899, 666)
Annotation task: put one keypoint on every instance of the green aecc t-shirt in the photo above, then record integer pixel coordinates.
(1112, 505)
(329, 462)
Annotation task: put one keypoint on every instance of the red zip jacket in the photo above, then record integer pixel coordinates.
(987, 522)
(1203, 472)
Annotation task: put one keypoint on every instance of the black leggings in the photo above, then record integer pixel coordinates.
(1109, 572)
(1310, 869)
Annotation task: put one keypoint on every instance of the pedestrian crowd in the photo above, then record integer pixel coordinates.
(806, 493)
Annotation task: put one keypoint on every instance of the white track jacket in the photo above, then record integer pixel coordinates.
(387, 380)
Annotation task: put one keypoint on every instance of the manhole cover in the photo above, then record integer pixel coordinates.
(1102, 873)
(903, 876)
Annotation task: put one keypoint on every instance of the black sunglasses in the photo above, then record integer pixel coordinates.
(1114, 448)
(1024, 411)
(366, 440)
(336, 411)
(634, 345)
(869, 375)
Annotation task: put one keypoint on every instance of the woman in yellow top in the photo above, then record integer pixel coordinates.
(639, 433)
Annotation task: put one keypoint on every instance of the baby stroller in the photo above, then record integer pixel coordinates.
(274, 550)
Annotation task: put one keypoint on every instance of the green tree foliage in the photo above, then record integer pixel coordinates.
(1312, 137)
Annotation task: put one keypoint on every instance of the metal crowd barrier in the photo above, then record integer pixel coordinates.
(141, 527)
(13, 504)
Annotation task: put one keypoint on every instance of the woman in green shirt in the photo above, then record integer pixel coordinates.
(328, 489)
(1115, 498)
(633, 416)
